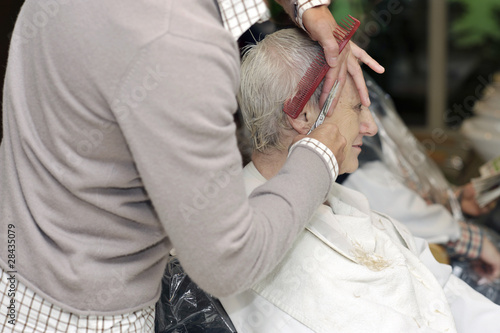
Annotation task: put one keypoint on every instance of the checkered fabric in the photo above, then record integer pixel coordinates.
(470, 242)
(239, 15)
(25, 311)
(323, 150)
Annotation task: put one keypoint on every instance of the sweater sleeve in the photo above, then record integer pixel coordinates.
(181, 134)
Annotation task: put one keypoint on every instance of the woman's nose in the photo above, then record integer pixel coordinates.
(368, 125)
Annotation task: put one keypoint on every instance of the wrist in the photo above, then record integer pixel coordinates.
(301, 6)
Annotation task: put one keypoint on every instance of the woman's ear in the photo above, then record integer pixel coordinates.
(303, 123)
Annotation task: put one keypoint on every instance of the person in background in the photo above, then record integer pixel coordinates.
(119, 144)
(352, 269)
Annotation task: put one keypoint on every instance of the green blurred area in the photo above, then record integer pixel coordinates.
(472, 23)
(477, 24)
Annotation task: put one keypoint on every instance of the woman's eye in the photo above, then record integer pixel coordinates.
(358, 107)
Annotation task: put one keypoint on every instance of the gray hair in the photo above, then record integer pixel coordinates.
(270, 73)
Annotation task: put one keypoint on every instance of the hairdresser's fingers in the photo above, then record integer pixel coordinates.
(320, 24)
(357, 54)
(335, 74)
(338, 72)
(359, 80)
(366, 59)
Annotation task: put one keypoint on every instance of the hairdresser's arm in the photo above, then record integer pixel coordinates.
(182, 137)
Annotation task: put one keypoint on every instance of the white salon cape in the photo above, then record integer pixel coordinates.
(355, 270)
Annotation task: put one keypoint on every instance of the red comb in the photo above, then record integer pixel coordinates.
(318, 69)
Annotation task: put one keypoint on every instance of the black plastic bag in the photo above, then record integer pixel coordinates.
(185, 308)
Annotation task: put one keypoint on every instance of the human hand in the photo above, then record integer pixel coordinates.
(329, 135)
(320, 24)
(469, 204)
(491, 257)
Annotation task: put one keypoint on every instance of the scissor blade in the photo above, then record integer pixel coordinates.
(326, 106)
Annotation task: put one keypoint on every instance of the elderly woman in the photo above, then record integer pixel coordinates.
(351, 269)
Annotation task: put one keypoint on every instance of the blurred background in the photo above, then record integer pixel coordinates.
(440, 56)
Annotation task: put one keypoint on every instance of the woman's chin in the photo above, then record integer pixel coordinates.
(349, 167)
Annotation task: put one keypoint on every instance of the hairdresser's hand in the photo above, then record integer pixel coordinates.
(328, 134)
(320, 25)
(356, 57)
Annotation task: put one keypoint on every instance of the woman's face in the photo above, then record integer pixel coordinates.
(354, 121)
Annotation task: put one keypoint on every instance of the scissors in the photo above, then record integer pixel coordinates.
(326, 106)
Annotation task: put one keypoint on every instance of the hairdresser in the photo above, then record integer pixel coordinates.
(119, 145)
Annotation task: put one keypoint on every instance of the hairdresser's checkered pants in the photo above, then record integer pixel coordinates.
(32, 313)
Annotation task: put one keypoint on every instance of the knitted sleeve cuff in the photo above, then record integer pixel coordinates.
(323, 151)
